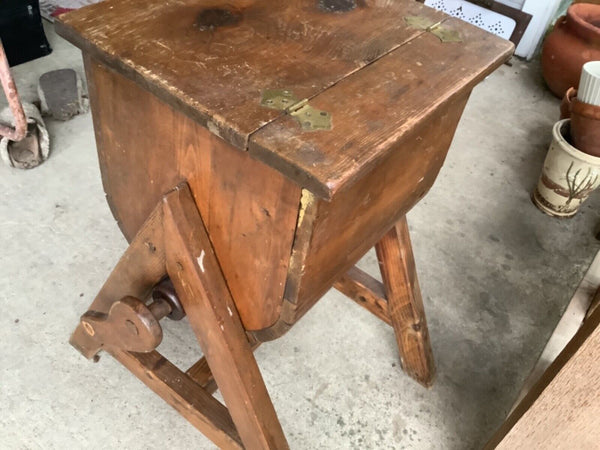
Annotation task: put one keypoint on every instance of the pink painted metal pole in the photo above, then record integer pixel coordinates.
(8, 84)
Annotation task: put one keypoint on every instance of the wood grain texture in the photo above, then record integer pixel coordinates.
(366, 291)
(200, 372)
(195, 272)
(405, 304)
(178, 390)
(374, 109)
(216, 74)
(145, 148)
(562, 410)
(138, 270)
(345, 228)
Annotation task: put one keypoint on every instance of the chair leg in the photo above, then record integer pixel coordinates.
(405, 304)
(202, 290)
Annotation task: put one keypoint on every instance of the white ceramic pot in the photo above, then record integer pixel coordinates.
(568, 177)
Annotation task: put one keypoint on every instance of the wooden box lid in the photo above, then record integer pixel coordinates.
(374, 67)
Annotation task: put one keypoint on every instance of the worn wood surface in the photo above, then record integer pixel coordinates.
(202, 289)
(344, 229)
(562, 410)
(203, 411)
(139, 269)
(576, 311)
(405, 304)
(145, 148)
(200, 372)
(366, 291)
(128, 325)
(215, 65)
(397, 301)
(374, 109)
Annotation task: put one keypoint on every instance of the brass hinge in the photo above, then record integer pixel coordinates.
(311, 119)
(443, 33)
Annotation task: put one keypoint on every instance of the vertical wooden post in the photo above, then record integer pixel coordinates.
(405, 304)
(202, 289)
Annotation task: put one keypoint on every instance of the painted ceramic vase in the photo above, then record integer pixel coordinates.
(574, 41)
(568, 177)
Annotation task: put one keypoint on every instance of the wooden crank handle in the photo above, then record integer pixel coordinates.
(132, 325)
(129, 325)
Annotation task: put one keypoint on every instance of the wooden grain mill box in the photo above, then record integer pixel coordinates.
(305, 129)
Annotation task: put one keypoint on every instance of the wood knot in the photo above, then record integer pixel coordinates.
(211, 18)
(339, 6)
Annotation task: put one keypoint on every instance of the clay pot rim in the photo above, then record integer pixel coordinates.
(578, 13)
(559, 137)
(585, 109)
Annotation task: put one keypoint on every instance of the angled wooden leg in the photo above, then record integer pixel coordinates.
(405, 304)
(173, 240)
(189, 399)
(397, 301)
(202, 289)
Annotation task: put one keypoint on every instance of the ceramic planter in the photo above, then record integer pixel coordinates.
(585, 127)
(574, 41)
(565, 106)
(568, 176)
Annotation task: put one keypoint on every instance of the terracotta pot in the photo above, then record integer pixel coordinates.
(574, 41)
(568, 176)
(565, 106)
(585, 127)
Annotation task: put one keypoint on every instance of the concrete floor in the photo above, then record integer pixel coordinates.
(495, 274)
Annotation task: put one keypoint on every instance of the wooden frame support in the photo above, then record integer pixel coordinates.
(202, 289)
(397, 301)
(188, 258)
(249, 421)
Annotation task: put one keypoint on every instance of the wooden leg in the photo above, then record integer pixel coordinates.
(200, 408)
(405, 304)
(397, 301)
(202, 289)
(249, 421)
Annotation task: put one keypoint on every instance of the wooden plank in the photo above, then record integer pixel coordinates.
(406, 310)
(203, 411)
(373, 110)
(348, 226)
(213, 59)
(562, 410)
(139, 269)
(197, 277)
(145, 148)
(366, 291)
(200, 372)
(567, 326)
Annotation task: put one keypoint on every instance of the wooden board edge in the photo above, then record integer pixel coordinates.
(591, 323)
(235, 137)
(326, 189)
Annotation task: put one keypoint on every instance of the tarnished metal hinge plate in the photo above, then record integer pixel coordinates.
(443, 33)
(311, 119)
(280, 99)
